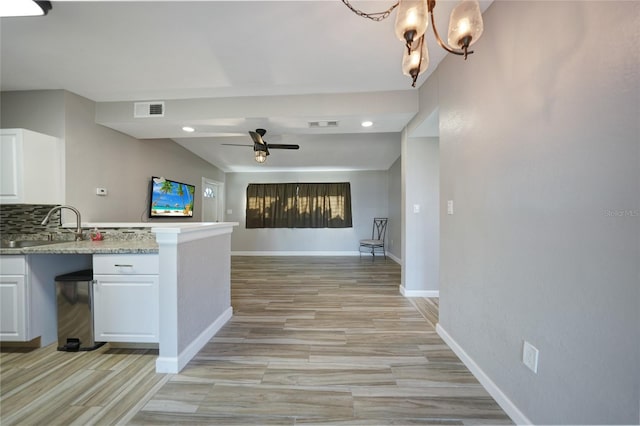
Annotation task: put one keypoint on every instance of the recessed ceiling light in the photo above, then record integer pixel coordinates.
(188, 129)
(367, 123)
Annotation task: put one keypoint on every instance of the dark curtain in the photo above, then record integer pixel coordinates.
(271, 205)
(324, 205)
(303, 205)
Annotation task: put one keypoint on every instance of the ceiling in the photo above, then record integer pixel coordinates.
(227, 67)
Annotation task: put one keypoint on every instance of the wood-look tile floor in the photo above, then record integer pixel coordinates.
(312, 341)
(323, 341)
(48, 387)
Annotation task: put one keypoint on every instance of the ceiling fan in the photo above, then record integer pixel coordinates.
(261, 147)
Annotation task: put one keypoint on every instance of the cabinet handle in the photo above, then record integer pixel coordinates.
(123, 266)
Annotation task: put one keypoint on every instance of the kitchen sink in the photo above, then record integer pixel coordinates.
(27, 243)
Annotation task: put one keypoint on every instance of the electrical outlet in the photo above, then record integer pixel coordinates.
(530, 356)
(449, 206)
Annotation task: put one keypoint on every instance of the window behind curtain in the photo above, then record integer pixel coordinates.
(299, 205)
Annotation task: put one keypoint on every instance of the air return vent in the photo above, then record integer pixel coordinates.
(318, 124)
(148, 109)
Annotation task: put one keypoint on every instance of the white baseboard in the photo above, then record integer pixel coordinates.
(173, 365)
(394, 258)
(419, 293)
(308, 253)
(503, 401)
(295, 253)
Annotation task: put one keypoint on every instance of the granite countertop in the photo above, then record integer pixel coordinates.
(88, 247)
(119, 238)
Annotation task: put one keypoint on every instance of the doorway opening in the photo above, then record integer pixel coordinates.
(212, 200)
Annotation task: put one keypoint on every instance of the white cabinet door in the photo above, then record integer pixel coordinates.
(10, 166)
(31, 169)
(126, 308)
(13, 321)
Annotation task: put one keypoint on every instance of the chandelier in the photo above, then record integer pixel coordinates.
(465, 28)
(24, 8)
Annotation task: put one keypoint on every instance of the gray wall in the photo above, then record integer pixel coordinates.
(539, 140)
(100, 157)
(369, 199)
(394, 226)
(421, 244)
(40, 110)
(204, 287)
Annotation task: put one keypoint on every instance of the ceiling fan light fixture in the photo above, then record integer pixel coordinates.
(261, 156)
(15, 8)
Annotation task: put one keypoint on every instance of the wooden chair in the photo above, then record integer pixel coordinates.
(377, 238)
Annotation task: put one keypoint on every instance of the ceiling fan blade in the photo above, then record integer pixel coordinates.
(236, 144)
(256, 138)
(283, 146)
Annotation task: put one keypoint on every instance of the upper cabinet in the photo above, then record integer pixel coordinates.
(31, 168)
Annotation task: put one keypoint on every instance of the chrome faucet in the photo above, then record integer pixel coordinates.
(78, 232)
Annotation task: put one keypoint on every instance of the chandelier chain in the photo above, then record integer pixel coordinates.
(374, 16)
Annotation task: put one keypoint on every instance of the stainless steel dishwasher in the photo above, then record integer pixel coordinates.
(74, 296)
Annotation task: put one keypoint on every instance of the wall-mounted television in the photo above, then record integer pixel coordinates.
(170, 198)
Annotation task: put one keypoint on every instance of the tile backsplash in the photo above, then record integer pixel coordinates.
(22, 221)
(26, 219)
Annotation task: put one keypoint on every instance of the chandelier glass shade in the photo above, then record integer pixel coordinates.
(415, 60)
(412, 21)
(24, 8)
(465, 24)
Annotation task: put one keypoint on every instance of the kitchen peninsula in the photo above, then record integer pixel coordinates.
(190, 263)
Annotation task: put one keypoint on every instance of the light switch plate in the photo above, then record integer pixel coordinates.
(416, 208)
(530, 356)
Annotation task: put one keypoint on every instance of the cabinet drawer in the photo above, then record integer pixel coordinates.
(129, 264)
(13, 265)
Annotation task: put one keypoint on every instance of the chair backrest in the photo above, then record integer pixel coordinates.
(379, 228)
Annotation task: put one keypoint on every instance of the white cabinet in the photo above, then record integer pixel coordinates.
(13, 312)
(31, 168)
(126, 298)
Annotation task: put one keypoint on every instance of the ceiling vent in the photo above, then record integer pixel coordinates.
(148, 109)
(319, 124)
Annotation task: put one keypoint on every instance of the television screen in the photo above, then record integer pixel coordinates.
(170, 198)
